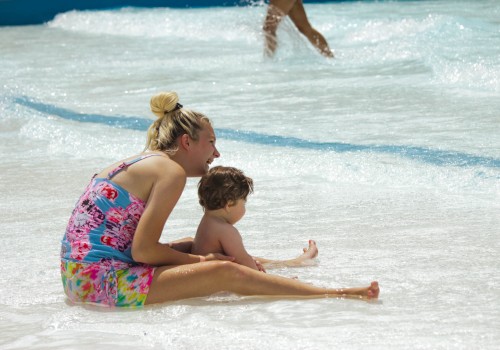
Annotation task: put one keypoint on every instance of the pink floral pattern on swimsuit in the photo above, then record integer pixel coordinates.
(102, 224)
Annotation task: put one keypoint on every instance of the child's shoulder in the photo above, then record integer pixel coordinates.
(216, 224)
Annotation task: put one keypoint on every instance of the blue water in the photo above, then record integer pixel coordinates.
(388, 156)
(437, 157)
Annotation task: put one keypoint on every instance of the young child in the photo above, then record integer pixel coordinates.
(222, 193)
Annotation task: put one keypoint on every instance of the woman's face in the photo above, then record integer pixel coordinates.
(204, 151)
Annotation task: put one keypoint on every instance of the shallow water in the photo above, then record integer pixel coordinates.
(387, 156)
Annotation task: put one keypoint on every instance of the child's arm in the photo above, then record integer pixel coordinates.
(232, 244)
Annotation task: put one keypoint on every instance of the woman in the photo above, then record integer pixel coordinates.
(111, 252)
(277, 10)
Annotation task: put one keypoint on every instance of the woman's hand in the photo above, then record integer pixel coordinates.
(260, 266)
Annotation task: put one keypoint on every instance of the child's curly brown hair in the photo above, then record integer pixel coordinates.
(222, 185)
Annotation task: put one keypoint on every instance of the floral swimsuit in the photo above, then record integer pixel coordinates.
(96, 259)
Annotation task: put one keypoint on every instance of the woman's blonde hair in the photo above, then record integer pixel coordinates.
(173, 121)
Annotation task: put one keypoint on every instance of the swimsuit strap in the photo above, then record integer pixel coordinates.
(125, 165)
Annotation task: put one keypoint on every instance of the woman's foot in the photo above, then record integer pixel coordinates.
(370, 292)
(373, 291)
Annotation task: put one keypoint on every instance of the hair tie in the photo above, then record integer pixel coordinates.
(177, 106)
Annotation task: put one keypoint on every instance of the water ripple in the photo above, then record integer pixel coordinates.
(424, 154)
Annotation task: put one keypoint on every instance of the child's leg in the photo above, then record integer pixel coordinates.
(204, 279)
(305, 259)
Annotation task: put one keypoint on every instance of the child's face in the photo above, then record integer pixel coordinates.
(236, 211)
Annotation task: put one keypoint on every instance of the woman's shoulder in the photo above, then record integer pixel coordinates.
(163, 171)
(153, 160)
(147, 162)
(163, 165)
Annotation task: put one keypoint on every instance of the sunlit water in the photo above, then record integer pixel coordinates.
(387, 156)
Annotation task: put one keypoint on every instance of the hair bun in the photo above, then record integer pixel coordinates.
(163, 102)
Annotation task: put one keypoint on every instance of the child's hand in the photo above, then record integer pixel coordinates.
(218, 256)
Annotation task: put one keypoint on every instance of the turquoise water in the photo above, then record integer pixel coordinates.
(388, 156)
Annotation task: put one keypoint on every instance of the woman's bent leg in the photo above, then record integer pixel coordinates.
(204, 279)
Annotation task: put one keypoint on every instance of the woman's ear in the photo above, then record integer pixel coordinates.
(185, 141)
